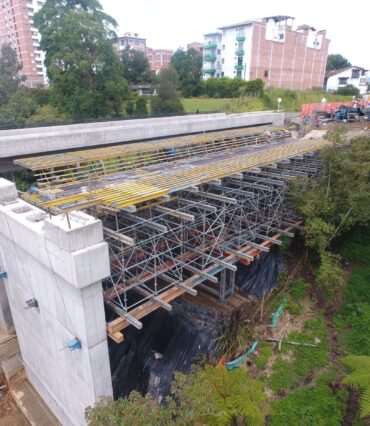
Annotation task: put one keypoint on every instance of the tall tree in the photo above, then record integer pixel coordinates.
(167, 99)
(9, 73)
(188, 65)
(84, 69)
(336, 62)
(136, 68)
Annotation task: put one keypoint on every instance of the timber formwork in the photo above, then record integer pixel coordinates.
(182, 213)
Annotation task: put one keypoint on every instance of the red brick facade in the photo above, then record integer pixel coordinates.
(158, 58)
(290, 64)
(16, 29)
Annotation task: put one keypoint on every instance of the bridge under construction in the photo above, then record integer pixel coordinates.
(179, 213)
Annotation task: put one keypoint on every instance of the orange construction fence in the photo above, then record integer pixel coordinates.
(309, 109)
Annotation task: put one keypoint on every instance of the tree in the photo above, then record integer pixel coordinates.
(9, 73)
(189, 68)
(335, 203)
(84, 70)
(167, 99)
(136, 68)
(18, 108)
(360, 379)
(336, 62)
(140, 107)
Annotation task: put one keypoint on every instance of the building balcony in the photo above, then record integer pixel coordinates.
(239, 53)
(239, 67)
(210, 46)
(209, 70)
(240, 38)
(209, 58)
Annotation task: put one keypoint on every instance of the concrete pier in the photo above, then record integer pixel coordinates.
(56, 264)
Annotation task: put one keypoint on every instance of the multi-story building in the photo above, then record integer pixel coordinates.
(196, 46)
(158, 58)
(133, 41)
(269, 49)
(16, 28)
(212, 65)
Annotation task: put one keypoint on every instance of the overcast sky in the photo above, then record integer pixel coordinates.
(170, 24)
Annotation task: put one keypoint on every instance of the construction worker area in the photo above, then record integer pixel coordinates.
(179, 213)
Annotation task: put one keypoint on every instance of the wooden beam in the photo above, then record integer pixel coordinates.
(119, 237)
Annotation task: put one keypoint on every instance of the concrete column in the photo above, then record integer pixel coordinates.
(7, 192)
(60, 263)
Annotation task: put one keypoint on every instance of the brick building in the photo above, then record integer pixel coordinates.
(16, 28)
(270, 49)
(158, 58)
(196, 46)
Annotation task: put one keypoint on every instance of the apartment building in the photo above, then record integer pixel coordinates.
(158, 58)
(16, 28)
(270, 49)
(196, 46)
(133, 41)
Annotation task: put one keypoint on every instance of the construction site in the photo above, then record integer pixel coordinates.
(110, 234)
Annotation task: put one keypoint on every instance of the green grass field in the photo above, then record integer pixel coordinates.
(291, 101)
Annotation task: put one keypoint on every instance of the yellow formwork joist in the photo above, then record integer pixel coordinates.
(152, 186)
(96, 154)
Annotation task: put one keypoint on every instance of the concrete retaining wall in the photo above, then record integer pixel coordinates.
(24, 142)
(62, 269)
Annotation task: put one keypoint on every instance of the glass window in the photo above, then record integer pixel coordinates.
(355, 73)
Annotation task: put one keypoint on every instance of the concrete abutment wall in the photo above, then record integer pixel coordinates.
(62, 269)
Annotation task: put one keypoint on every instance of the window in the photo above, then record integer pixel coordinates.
(266, 74)
(362, 81)
(223, 60)
(342, 81)
(355, 73)
(219, 51)
(223, 47)
(239, 74)
(222, 73)
(281, 36)
(240, 61)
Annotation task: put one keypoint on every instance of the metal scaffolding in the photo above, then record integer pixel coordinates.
(188, 221)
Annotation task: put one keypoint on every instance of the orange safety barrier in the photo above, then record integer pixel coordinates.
(310, 109)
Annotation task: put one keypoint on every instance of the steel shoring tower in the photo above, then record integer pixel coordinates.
(197, 235)
(179, 214)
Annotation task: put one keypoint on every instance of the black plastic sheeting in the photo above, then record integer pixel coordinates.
(172, 341)
(261, 275)
(169, 342)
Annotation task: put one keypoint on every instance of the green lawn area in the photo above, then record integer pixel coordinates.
(291, 101)
(206, 105)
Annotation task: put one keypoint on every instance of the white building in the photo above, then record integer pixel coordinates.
(270, 49)
(356, 76)
(212, 54)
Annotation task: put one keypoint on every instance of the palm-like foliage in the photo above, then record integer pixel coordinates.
(360, 379)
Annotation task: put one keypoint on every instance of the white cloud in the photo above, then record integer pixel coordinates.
(172, 23)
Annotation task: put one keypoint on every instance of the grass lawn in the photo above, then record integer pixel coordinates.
(206, 105)
(291, 101)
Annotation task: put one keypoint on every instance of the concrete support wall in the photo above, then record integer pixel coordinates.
(24, 142)
(61, 265)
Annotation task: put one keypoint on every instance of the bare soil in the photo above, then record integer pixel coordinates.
(10, 415)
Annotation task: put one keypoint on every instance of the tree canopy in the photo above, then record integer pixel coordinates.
(9, 73)
(188, 65)
(136, 68)
(336, 62)
(167, 99)
(85, 71)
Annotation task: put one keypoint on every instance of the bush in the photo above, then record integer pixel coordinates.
(348, 90)
(316, 405)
